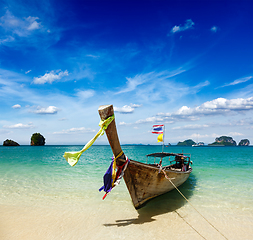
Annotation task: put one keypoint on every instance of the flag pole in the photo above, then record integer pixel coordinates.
(163, 136)
(159, 129)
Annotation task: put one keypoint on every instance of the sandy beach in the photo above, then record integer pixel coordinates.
(119, 220)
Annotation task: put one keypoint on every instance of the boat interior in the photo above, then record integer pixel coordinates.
(178, 162)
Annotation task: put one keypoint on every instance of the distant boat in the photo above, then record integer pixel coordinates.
(198, 144)
(195, 145)
(146, 181)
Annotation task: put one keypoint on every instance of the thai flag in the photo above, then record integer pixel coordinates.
(158, 129)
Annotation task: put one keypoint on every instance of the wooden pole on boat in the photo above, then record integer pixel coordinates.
(163, 137)
(106, 111)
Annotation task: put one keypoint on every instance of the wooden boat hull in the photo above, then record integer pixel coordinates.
(145, 182)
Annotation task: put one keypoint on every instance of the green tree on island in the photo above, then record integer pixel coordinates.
(188, 142)
(9, 142)
(244, 142)
(37, 140)
(223, 141)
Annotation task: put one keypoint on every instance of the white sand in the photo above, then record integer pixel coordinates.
(102, 220)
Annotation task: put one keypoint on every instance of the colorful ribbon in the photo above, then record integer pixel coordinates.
(111, 178)
(73, 157)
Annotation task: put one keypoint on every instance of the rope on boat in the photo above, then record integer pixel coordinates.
(190, 225)
(119, 155)
(192, 205)
(113, 178)
(114, 167)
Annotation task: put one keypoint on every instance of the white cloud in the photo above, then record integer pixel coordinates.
(48, 110)
(20, 126)
(127, 108)
(201, 85)
(50, 77)
(11, 85)
(223, 105)
(195, 126)
(214, 29)
(7, 39)
(28, 71)
(33, 23)
(150, 120)
(183, 111)
(188, 25)
(16, 106)
(85, 94)
(196, 136)
(135, 105)
(92, 56)
(27, 29)
(8, 21)
(235, 134)
(214, 107)
(62, 119)
(151, 77)
(124, 109)
(19, 26)
(132, 83)
(75, 130)
(219, 106)
(238, 81)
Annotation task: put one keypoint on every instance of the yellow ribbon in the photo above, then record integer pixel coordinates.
(73, 157)
(114, 168)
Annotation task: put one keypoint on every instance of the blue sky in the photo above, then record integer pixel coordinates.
(185, 64)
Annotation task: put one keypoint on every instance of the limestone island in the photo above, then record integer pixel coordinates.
(9, 142)
(244, 142)
(223, 141)
(37, 140)
(188, 142)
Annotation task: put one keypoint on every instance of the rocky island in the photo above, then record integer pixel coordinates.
(219, 141)
(9, 142)
(244, 142)
(229, 141)
(223, 141)
(37, 140)
(188, 142)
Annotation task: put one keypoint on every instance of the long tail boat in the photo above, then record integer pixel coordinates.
(146, 181)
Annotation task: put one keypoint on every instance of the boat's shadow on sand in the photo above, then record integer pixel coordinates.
(168, 202)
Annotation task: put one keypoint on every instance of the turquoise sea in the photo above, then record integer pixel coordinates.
(220, 186)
